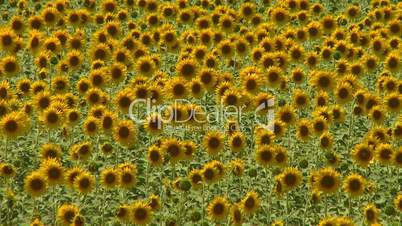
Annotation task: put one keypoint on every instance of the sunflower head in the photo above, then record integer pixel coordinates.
(140, 213)
(327, 180)
(354, 185)
(218, 209)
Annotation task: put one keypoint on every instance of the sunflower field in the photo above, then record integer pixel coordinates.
(200, 112)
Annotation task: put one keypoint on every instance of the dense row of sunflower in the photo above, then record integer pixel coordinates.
(71, 155)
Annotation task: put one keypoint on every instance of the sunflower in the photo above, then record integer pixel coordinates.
(169, 38)
(265, 59)
(154, 202)
(83, 85)
(110, 178)
(371, 214)
(113, 29)
(81, 151)
(190, 149)
(7, 39)
(213, 142)
(128, 176)
(291, 178)
(237, 141)
(9, 66)
(35, 184)
(60, 83)
(67, 212)
(155, 156)
(91, 126)
(73, 117)
(99, 77)
(174, 149)
(42, 60)
(36, 222)
(326, 140)
(122, 56)
(74, 59)
(6, 92)
(125, 133)
(331, 221)
(145, 66)
(241, 46)
(274, 76)
(397, 131)
(300, 99)
(200, 52)
(304, 130)
(123, 213)
(296, 53)
(314, 30)
(286, 114)
(344, 93)
(327, 180)
(185, 16)
(384, 153)
(377, 114)
(140, 213)
(208, 78)
(319, 125)
(323, 112)
(195, 177)
(390, 84)
(236, 215)
(50, 15)
(218, 208)
(209, 173)
(322, 80)
(154, 123)
(393, 102)
(312, 59)
(7, 170)
(14, 124)
(176, 88)
(186, 68)
(100, 52)
(251, 83)
(279, 128)
(71, 175)
(118, 72)
(250, 203)
(211, 61)
(265, 155)
(95, 96)
(177, 113)
(4, 108)
(84, 183)
(354, 185)
(398, 202)
(232, 97)
(277, 223)
(196, 88)
(279, 15)
(53, 171)
(363, 154)
(52, 44)
(78, 220)
(123, 99)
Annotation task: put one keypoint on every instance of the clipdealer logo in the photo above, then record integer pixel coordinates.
(141, 110)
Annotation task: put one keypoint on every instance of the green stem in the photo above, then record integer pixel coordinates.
(202, 205)
(351, 122)
(6, 149)
(54, 205)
